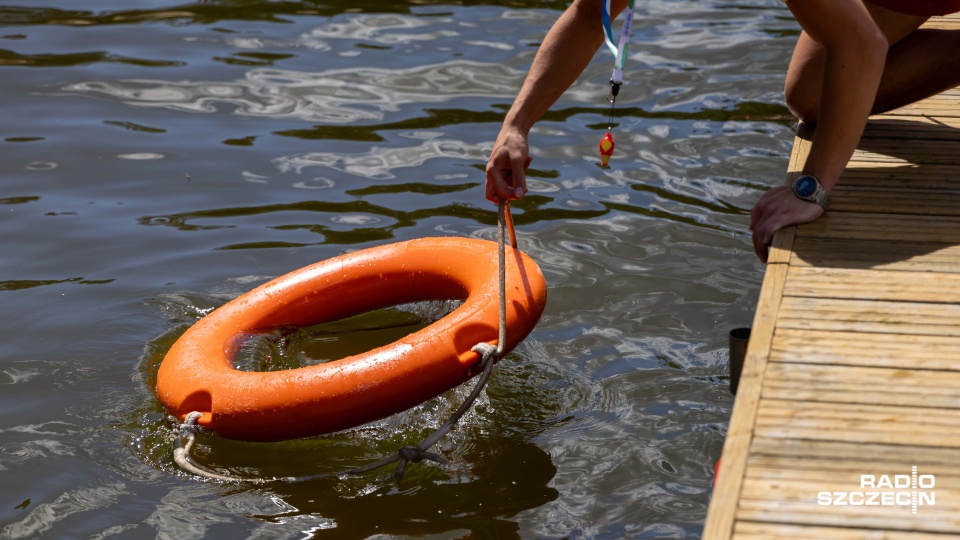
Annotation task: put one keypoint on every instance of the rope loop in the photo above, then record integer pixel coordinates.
(190, 427)
(188, 431)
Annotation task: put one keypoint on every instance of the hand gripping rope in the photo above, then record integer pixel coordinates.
(489, 355)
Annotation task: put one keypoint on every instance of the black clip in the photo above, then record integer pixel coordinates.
(614, 90)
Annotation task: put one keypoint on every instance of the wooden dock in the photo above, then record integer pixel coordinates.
(853, 367)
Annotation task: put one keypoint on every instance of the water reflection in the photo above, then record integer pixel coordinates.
(338, 96)
(212, 11)
(381, 163)
(507, 477)
(11, 58)
(205, 220)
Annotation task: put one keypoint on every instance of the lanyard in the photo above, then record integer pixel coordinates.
(618, 49)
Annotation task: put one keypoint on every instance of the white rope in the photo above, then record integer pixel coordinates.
(181, 454)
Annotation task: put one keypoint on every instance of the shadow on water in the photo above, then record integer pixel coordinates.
(510, 478)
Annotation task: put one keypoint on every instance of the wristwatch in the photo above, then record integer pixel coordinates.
(809, 189)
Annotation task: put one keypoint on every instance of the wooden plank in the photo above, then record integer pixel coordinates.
(862, 437)
(897, 454)
(829, 471)
(928, 108)
(949, 22)
(929, 202)
(925, 229)
(801, 147)
(912, 128)
(938, 154)
(893, 176)
(751, 530)
(831, 347)
(841, 310)
(781, 248)
(942, 105)
(897, 385)
(783, 505)
(873, 284)
(859, 412)
(802, 484)
(876, 254)
(902, 147)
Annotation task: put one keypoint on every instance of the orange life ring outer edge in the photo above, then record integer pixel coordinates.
(197, 373)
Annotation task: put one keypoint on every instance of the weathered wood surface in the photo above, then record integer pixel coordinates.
(853, 366)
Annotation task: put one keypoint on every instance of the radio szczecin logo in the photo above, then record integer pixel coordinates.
(911, 490)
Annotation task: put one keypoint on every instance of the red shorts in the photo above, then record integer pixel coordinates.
(924, 8)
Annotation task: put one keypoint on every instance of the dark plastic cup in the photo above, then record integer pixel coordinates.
(739, 338)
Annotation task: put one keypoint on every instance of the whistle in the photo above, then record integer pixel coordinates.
(606, 149)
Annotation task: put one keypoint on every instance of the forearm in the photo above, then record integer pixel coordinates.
(855, 53)
(565, 52)
(850, 83)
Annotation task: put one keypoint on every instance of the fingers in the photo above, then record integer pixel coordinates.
(759, 224)
(778, 208)
(762, 239)
(506, 177)
(505, 184)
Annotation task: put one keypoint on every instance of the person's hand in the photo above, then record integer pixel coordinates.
(506, 178)
(778, 208)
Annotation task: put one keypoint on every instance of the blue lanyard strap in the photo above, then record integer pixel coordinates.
(619, 49)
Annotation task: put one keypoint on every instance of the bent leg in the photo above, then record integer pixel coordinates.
(925, 63)
(920, 63)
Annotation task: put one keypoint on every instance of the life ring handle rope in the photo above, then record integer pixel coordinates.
(489, 355)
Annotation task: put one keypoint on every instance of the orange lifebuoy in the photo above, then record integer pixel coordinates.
(197, 374)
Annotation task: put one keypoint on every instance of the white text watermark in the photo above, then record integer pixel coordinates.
(912, 490)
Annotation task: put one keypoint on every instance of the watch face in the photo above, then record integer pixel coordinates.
(806, 186)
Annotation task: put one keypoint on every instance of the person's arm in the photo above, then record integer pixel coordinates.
(564, 54)
(855, 52)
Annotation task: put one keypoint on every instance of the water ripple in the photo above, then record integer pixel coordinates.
(340, 96)
(381, 161)
(383, 29)
(45, 516)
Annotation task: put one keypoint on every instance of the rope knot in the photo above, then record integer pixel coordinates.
(486, 352)
(414, 454)
(411, 454)
(189, 425)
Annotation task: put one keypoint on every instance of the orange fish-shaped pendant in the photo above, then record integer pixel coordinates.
(606, 149)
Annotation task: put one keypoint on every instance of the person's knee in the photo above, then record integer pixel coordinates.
(803, 102)
(805, 79)
(857, 47)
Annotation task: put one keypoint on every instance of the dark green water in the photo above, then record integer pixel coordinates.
(158, 159)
